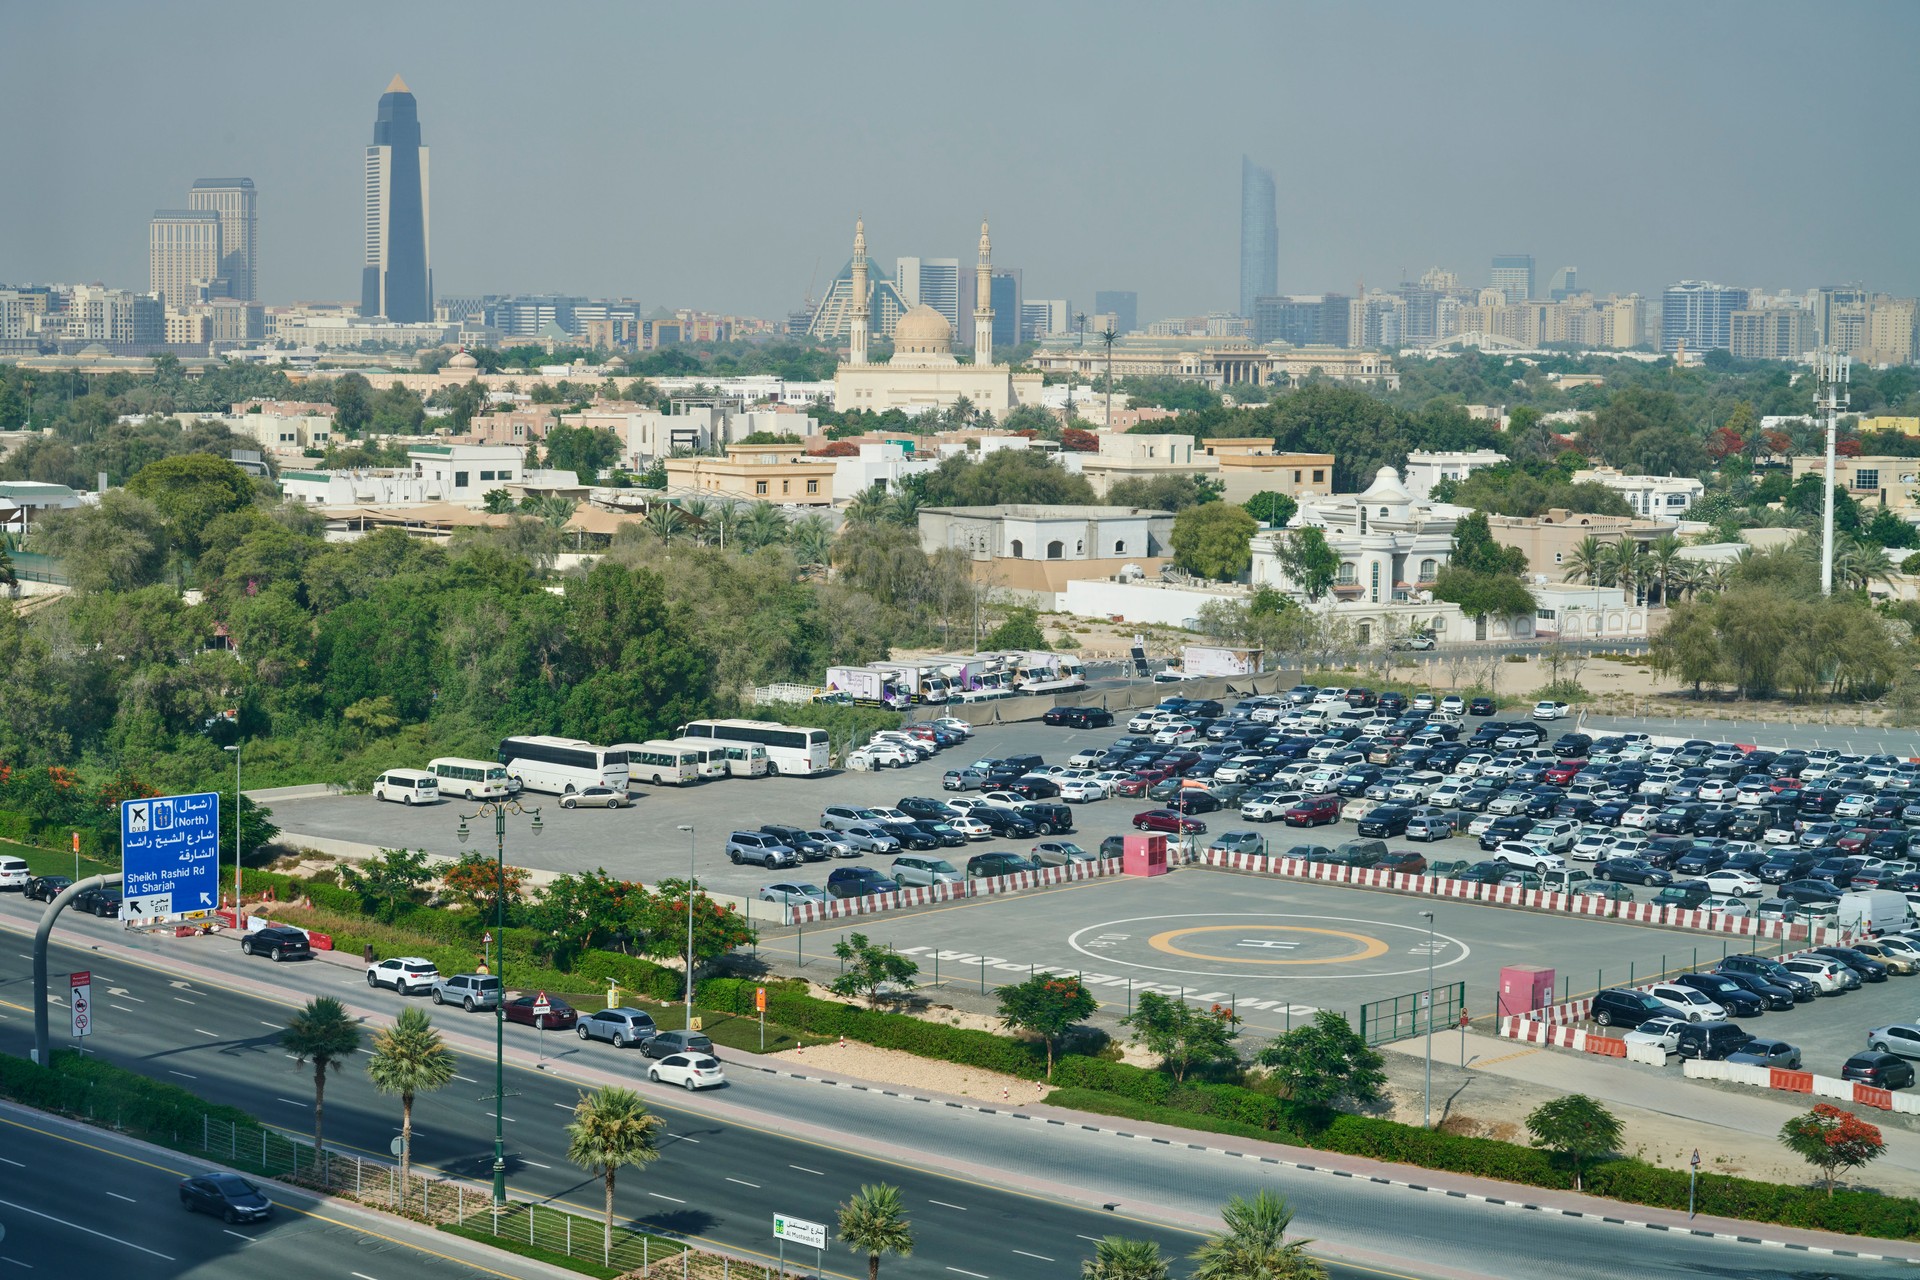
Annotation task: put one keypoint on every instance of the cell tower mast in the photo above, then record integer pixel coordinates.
(1831, 370)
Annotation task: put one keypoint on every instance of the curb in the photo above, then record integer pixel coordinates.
(1345, 1173)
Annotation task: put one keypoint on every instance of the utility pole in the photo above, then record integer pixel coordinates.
(1108, 336)
(1831, 368)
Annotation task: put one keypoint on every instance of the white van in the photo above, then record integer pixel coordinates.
(1876, 910)
(407, 786)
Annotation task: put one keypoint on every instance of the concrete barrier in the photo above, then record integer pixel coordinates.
(992, 886)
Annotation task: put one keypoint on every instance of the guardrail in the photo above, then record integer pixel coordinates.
(991, 886)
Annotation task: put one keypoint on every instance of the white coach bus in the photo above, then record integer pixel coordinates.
(791, 751)
(474, 779)
(562, 766)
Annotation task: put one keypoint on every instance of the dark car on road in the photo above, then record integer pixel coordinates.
(1386, 820)
(1725, 992)
(47, 888)
(1630, 871)
(1882, 1070)
(984, 866)
(97, 901)
(228, 1195)
(1169, 821)
(278, 941)
(559, 1015)
(1625, 1007)
(858, 882)
(1079, 717)
(667, 1042)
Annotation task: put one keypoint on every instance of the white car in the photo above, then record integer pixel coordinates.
(1480, 823)
(1111, 778)
(1640, 816)
(1173, 734)
(1447, 794)
(1726, 904)
(1082, 790)
(1329, 696)
(407, 975)
(1508, 803)
(1777, 835)
(1594, 846)
(878, 755)
(1690, 1003)
(1003, 799)
(1854, 806)
(1721, 789)
(1087, 757)
(913, 748)
(1471, 764)
(1422, 702)
(1454, 703)
(971, 828)
(792, 893)
(1739, 884)
(594, 798)
(1529, 856)
(1545, 710)
(688, 1070)
(1824, 974)
(1662, 1033)
(1414, 789)
(1269, 805)
(955, 724)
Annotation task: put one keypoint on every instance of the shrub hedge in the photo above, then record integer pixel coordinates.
(76, 1084)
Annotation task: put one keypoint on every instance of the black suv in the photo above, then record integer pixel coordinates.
(1623, 1007)
(1711, 1041)
(282, 942)
(796, 839)
(925, 807)
(1079, 717)
(1004, 822)
(1050, 818)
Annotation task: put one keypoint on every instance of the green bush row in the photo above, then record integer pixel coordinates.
(24, 828)
(76, 1084)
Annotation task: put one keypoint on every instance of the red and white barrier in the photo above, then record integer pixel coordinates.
(992, 886)
(1531, 899)
(1863, 1095)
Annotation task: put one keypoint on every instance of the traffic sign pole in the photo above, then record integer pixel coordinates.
(80, 1001)
(541, 1008)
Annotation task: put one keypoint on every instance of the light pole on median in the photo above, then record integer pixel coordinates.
(689, 830)
(499, 809)
(235, 748)
(1428, 917)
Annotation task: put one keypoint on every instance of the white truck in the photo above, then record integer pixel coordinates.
(924, 682)
(974, 677)
(1040, 672)
(1875, 910)
(869, 687)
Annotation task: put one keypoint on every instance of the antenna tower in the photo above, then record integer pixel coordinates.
(1831, 369)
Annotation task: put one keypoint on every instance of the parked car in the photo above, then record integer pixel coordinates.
(915, 869)
(623, 1027)
(559, 1015)
(1386, 820)
(1692, 1004)
(983, 866)
(1767, 1053)
(798, 840)
(1769, 970)
(1404, 862)
(665, 1043)
(407, 975)
(792, 893)
(1869, 969)
(1902, 1038)
(761, 849)
(835, 843)
(1882, 1070)
(97, 901)
(1725, 992)
(1059, 853)
(858, 882)
(1312, 811)
(47, 888)
(1631, 871)
(1662, 1032)
(471, 991)
(689, 1070)
(1830, 976)
(1711, 1041)
(228, 1195)
(278, 941)
(1169, 821)
(871, 837)
(1079, 717)
(1626, 1007)
(1772, 995)
(594, 798)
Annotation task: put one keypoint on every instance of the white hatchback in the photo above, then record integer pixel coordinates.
(688, 1070)
(1689, 1002)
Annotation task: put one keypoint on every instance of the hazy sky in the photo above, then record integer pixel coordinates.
(709, 154)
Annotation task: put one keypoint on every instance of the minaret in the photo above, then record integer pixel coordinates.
(983, 301)
(857, 352)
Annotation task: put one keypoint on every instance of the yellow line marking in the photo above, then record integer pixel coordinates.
(1369, 947)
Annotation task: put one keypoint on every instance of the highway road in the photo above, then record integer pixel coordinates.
(768, 1144)
(97, 1203)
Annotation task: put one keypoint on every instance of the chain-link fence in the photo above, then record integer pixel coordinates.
(468, 1209)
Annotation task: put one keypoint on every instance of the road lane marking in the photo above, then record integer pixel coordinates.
(1041, 1256)
(802, 1168)
(117, 1196)
(276, 1026)
(184, 1000)
(166, 1257)
(203, 1031)
(122, 1008)
(508, 1119)
(535, 1163)
(237, 1236)
(183, 1075)
(362, 1275)
(754, 1185)
(944, 1205)
(975, 1274)
(16, 1262)
(1095, 1239)
(468, 1079)
(15, 1163)
(292, 1102)
(657, 1196)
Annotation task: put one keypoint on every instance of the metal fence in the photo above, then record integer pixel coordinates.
(1403, 1017)
(446, 1201)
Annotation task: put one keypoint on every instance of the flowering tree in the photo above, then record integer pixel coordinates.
(716, 929)
(476, 881)
(1832, 1141)
(1048, 1006)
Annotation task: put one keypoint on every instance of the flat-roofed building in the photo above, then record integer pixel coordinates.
(1249, 465)
(1036, 549)
(776, 473)
(1145, 457)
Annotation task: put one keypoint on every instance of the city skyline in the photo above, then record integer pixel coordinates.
(1663, 184)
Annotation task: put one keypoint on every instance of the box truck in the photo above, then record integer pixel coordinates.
(924, 682)
(869, 687)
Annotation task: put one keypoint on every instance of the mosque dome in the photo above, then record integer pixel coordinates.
(463, 360)
(922, 331)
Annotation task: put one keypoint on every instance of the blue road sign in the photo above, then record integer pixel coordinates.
(170, 856)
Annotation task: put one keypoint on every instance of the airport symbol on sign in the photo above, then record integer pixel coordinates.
(170, 856)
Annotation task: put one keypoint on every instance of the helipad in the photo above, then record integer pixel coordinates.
(1280, 945)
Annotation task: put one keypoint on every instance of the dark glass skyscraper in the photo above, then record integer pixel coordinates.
(1259, 236)
(397, 282)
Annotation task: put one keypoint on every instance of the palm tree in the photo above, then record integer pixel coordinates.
(1585, 561)
(723, 523)
(812, 540)
(1118, 1258)
(904, 508)
(1255, 1246)
(762, 526)
(1624, 567)
(409, 1058)
(665, 522)
(612, 1129)
(1664, 555)
(870, 505)
(324, 1035)
(873, 1223)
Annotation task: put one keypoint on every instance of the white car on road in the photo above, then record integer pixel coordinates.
(688, 1070)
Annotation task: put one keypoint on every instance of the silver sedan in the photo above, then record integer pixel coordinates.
(793, 894)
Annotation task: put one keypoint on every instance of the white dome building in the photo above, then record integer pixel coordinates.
(923, 340)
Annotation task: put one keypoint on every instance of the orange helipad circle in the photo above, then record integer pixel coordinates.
(1367, 950)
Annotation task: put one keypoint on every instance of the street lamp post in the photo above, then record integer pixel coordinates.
(499, 809)
(689, 830)
(1428, 917)
(235, 748)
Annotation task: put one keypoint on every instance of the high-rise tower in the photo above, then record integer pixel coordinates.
(397, 282)
(983, 301)
(1259, 236)
(183, 253)
(857, 344)
(232, 199)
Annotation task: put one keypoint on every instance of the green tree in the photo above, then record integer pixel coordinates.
(1048, 1006)
(1575, 1126)
(585, 451)
(1270, 508)
(323, 1034)
(811, 538)
(717, 929)
(867, 967)
(117, 544)
(1163, 493)
(498, 502)
(397, 412)
(1586, 561)
(1214, 541)
(388, 881)
(1181, 1036)
(352, 398)
(874, 1222)
(372, 716)
(1006, 475)
(1325, 1063)
(1019, 630)
(1254, 1245)
(1307, 561)
(1832, 1140)
(1484, 595)
(1689, 645)
(611, 1130)
(1474, 548)
(1807, 499)
(1889, 530)
(1119, 1258)
(576, 913)
(409, 1058)
(189, 491)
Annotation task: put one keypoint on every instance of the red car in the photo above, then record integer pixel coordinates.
(1404, 861)
(1313, 811)
(1169, 821)
(1135, 786)
(560, 1015)
(1563, 772)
